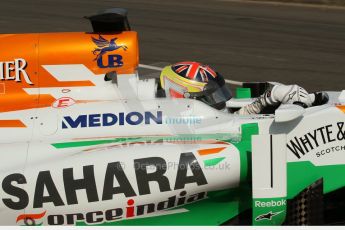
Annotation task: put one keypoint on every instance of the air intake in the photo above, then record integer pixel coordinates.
(109, 21)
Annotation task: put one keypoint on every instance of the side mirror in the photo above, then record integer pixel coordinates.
(288, 112)
(111, 76)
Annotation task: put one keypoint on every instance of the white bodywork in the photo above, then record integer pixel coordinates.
(40, 153)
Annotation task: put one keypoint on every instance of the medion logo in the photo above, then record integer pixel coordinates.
(14, 70)
(110, 119)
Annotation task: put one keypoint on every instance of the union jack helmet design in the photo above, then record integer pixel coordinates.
(194, 71)
(196, 81)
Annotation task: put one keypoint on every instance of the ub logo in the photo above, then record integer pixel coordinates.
(104, 46)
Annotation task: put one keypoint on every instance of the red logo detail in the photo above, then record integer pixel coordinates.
(130, 208)
(63, 102)
(30, 217)
(175, 94)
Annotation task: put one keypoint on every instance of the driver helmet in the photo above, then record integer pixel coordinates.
(196, 81)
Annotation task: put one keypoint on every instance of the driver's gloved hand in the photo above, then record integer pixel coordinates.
(287, 94)
(284, 94)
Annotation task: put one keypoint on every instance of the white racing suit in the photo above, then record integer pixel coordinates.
(285, 94)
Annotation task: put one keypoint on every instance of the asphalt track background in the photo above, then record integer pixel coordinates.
(243, 41)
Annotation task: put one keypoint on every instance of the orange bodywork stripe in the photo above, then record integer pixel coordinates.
(210, 151)
(11, 124)
(341, 107)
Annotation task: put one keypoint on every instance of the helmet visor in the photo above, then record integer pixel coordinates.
(215, 93)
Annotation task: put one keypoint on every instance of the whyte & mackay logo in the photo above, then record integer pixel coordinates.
(323, 140)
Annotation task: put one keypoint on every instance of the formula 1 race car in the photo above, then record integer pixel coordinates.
(86, 141)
